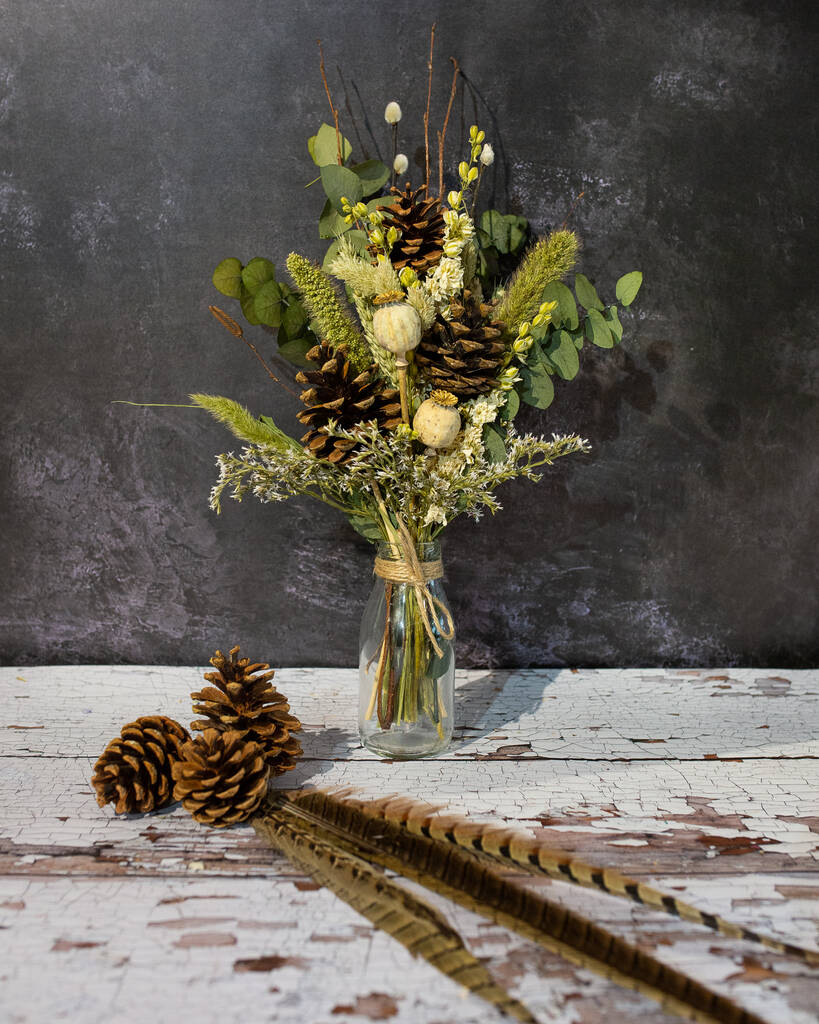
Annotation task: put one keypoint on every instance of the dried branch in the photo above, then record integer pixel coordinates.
(429, 100)
(330, 99)
(237, 332)
(442, 134)
(569, 214)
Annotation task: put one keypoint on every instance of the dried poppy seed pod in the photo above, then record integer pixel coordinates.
(437, 421)
(396, 324)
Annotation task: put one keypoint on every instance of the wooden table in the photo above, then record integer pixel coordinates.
(704, 782)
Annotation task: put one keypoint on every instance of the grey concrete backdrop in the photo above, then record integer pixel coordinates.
(143, 142)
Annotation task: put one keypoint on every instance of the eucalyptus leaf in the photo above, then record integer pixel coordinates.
(227, 278)
(578, 337)
(510, 409)
(258, 272)
(373, 175)
(497, 227)
(323, 146)
(439, 665)
(563, 355)
(331, 222)
(597, 330)
(518, 234)
(247, 301)
(295, 351)
(566, 313)
(613, 320)
(628, 286)
(340, 181)
(294, 318)
(537, 389)
(586, 293)
(493, 443)
(267, 304)
(367, 529)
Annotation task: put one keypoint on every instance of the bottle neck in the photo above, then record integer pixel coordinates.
(428, 551)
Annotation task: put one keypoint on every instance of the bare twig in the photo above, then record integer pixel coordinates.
(569, 214)
(442, 134)
(330, 99)
(429, 100)
(237, 332)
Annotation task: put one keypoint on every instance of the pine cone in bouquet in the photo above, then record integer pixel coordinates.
(221, 777)
(335, 391)
(421, 225)
(134, 772)
(463, 355)
(242, 699)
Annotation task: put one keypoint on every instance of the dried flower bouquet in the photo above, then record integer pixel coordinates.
(410, 389)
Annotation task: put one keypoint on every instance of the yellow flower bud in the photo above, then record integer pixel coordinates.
(360, 210)
(392, 236)
(480, 137)
(524, 329)
(473, 174)
(463, 169)
(454, 199)
(473, 131)
(537, 319)
(407, 277)
(377, 236)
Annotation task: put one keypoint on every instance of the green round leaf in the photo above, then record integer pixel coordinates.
(295, 351)
(510, 410)
(257, 273)
(597, 330)
(628, 286)
(493, 443)
(340, 181)
(563, 355)
(537, 388)
(331, 223)
(248, 308)
(586, 293)
(566, 313)
(227, 278)
(613, 321)
(373, 175)
(323, 146)
(267, 304)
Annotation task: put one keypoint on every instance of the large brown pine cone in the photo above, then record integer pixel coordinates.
(242, 699)
(420, 222)
(221, 777)
(335, 391)
(463, 355)
(134, 771)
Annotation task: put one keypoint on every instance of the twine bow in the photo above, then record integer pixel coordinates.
(408, 568)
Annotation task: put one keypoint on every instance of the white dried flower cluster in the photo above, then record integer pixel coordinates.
(458, 230)
(400, 163)
(446, 281)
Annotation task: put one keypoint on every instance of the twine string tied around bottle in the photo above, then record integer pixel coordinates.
(408, 568)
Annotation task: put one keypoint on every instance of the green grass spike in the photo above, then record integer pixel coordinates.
(327, 315)
(242, 423)
(549, 260)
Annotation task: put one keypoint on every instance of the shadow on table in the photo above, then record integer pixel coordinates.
(322, 748)
(498, 699)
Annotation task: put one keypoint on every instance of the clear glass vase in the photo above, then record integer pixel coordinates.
(407, 661)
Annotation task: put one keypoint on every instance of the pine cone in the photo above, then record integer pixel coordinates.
(336, 392)
(463, 355)
(421, 223)
(134, 770)
(221, 777)
(242, 699)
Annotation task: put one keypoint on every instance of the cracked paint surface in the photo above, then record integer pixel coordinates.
(156, 911)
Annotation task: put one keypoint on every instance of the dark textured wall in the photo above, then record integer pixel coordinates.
(143, 142)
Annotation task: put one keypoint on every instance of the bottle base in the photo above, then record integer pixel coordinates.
(402, 743)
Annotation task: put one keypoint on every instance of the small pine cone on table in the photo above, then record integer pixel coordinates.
(420, 223)
(336, 391)
(463, 355)
(221, 777)
(242, 699)
(134, 772)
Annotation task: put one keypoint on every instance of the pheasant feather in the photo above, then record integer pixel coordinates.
(466, 878)
(409, 920)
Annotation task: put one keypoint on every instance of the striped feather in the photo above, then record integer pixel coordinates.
(513, 847)
(409, 920)
(482, 887)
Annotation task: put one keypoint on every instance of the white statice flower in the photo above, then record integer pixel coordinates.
(435, 514)
(447, 280)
